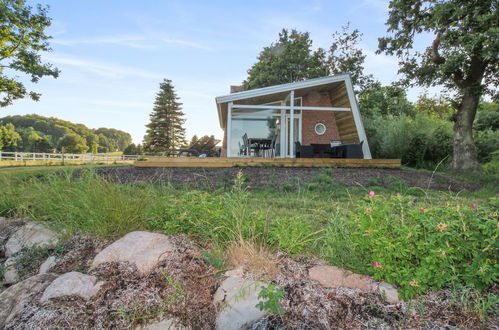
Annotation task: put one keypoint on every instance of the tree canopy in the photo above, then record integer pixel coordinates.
(463, 57)
(292, 58)
(43, 134)
(22, 39)
(205, 145)
(165, 129)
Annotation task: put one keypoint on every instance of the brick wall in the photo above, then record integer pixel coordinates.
(311, 118)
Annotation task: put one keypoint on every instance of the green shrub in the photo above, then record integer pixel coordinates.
(420, 142)
(420, 249)
(272, 296)
(487, 142)
(492, 167)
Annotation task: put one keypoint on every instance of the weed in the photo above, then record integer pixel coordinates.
(253, 257)
(178, 291)
(215, 259)
(28, 260)
(272, 296)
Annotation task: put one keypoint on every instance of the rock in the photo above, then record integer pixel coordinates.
(168, 324)
(238, 298)
(15, 298)
(387, 291)
(72, 283)
(238, 271)
(3, 222)
(11, 275)
(47, 264)
(334, 277)
(140, 248)
(30, 235)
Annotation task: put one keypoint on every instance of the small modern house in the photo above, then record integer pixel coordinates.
(306, 119)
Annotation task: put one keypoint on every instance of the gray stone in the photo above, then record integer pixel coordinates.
(15, 298)
(237, 299)
(11, 275)
(334, 277)
(387, 291)
(140, 248)
(30, 235)
(3, 222)
(237, 272)
(47, 264)
(72, 283)
(168, 324)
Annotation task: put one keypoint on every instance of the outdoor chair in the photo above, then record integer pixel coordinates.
(269, 148)
(303, 151)
(246, 145)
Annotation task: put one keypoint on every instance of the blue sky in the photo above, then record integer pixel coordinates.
(113, 54)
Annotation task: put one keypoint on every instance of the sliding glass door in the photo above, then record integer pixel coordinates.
(263, 124)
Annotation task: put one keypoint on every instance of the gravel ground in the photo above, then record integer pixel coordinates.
(277, 177)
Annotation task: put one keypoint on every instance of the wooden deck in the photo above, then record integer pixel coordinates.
(277, 162)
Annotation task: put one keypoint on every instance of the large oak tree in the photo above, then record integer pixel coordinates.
(463, 57)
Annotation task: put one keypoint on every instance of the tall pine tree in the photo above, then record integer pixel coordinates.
(165, 131)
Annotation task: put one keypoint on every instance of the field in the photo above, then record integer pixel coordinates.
(385, 226)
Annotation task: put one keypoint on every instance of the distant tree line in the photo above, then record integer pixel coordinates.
(35, 133)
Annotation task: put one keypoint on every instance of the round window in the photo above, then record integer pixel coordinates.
(320, 128)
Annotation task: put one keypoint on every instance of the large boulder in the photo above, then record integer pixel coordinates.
(143, 249)
(334, 277)
(72, 283)
(10, 275)
(237, 297)
(15, 298)
(30, 235)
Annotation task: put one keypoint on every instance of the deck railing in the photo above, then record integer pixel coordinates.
(43, 156)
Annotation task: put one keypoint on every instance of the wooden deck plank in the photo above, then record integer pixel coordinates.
(278, 162)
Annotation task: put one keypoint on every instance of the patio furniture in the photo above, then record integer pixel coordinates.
(181, 152)
(270, 151)
(324, 150)
(260, 145)
(246, 145)
(349, 150)
(303, 151)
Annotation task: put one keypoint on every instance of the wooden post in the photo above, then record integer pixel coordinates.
(292, 124)
(229, 127)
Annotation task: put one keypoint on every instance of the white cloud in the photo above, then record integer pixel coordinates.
(185, 43)
(103, 69)
(133, 41)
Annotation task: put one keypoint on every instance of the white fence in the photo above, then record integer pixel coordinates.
(23, 156)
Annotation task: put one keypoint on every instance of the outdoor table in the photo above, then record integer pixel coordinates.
(259, 144)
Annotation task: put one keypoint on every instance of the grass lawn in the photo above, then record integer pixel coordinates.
(414, 238)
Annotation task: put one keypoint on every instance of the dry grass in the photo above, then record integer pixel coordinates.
(254, 258)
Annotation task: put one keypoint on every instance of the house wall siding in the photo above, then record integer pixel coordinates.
(311, 118)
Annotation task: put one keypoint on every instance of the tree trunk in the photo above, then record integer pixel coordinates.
(465, 154)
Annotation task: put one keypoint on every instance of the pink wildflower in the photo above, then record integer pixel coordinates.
(378, 265)
(473, 206)
(422, 209)
(372, 194)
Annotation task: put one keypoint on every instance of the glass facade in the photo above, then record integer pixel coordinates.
(267, 125)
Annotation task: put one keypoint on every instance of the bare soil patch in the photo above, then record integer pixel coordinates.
(278, 177)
